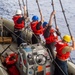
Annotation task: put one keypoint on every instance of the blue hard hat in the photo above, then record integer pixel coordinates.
(35, 18)
(44, 24)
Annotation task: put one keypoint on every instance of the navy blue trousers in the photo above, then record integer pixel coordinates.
(62, 65)
(20, 38)
(35, 39)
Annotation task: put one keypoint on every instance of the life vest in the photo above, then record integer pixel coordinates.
(33, 27)
(10, 64)
(12, 70)
(59, 47)
(52, 37)
(18, 26)
(9, 61)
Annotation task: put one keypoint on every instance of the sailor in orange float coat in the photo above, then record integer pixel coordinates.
(37, 28)
(50, 34)
(19, 24)
(63, 53)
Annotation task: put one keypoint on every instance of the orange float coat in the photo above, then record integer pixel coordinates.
(18, 26)
(34, 29)
(52, 37)
(59, 47)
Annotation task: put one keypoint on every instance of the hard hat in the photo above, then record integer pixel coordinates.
(35, 18)
(18, 12)
(44, 24)
(67, 38)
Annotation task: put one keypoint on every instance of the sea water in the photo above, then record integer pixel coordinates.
(8, 9)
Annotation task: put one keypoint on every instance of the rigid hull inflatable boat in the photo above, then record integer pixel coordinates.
(28, 59)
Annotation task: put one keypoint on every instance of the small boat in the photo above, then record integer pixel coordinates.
(28, 59)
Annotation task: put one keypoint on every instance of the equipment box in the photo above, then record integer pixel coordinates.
(5, 39)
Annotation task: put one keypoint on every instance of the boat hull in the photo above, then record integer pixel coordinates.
(27, 34)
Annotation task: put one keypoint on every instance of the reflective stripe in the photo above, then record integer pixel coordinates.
(48, 68)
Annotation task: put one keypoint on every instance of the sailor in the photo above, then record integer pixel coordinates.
(63, 53)
(19, 25)
(50, 34)
(37, 28)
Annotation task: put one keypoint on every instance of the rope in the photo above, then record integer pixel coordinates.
(65, 17)
(55, 17)
(27, 8)
(20, 5)
(38, 6)
(39, 11)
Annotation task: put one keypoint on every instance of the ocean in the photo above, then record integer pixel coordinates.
(8, 8)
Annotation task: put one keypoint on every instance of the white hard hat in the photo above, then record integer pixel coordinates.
(18, 12)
